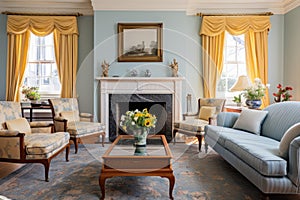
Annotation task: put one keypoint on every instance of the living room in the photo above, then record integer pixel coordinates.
(98, 43)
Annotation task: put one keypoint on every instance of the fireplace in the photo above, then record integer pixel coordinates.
(119, 94)
(158, 104)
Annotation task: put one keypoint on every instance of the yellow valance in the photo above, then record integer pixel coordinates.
(235, 25)
(42, 25)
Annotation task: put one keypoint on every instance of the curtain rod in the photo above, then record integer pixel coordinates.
(246, 14)
(41, 14)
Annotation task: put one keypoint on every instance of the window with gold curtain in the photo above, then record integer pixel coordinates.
(212, 31)
(66, 50)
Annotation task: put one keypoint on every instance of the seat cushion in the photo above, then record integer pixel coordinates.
(77, 129)
(193, 125)
(259, 152)
(41, 143)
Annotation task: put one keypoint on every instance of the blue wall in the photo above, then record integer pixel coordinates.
(292, 51)
(181, 40)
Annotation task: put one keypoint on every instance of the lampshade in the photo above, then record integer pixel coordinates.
(242, 83)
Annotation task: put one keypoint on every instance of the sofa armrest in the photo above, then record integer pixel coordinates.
(227, 119)
(86, 117)
(8, 133)
(12, 145)
(190, 116)
(60, 124)
(294, 161)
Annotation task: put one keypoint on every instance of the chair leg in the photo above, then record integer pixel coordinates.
(174, 135)
(103, 138)
(46, 164)
(67, 152)
(199, 137)
(76, 140)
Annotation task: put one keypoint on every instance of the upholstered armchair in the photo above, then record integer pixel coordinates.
(20, 143)
(193, 124)
(66, 117)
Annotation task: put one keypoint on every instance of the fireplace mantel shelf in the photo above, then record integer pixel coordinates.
(139, 78)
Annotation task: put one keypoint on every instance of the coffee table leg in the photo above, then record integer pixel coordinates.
(102, 185)
(171, 187)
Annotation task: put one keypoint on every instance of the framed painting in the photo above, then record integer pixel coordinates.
(140, 42)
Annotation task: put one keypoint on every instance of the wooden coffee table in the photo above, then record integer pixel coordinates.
(119, 160)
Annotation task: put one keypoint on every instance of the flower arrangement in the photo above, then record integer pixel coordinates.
(133, 120)
(256, 91)
(31, 93)
(283, 93)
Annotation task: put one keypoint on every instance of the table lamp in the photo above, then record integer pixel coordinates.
(241, 84)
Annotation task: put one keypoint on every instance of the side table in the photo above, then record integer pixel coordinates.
(31, 108)
(237, 109)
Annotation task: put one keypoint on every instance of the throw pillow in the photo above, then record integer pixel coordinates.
(20, 125)
(289, 135)
(250, 120)
(206, 112)
(70, 115)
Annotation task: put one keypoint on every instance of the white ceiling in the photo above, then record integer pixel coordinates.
(87, 7)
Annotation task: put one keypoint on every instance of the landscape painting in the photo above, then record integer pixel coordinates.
(140, 42)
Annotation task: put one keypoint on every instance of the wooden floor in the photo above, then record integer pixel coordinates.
(8, 168)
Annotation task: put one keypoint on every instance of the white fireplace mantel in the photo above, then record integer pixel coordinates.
(139, 85)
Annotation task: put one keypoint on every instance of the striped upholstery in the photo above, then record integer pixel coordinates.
(281, 116)
(257, 157)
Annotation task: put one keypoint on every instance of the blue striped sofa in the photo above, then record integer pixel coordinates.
(257, 157)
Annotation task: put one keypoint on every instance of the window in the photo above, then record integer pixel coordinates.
(234, 65)
(41, 70)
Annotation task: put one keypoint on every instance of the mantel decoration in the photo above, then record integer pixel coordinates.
(254, 94)
(140, 42)
(283, 93)
(105, 68)
(31, 93)
(138, 123)
(174, 67)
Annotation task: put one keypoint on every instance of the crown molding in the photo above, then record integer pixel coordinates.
(142, 5)
(64, 7)
(191, 7)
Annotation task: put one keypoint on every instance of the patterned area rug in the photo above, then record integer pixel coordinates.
(198, 176)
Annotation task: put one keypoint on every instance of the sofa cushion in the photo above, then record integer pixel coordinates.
(206, 112)
(70, 115)
(259, 152)
(219, 133)
(250, 120)
(40, 143)
(21, 125)
(289, 135)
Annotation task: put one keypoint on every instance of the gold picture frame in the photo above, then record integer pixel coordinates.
(140, 42)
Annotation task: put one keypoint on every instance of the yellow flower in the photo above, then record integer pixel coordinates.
(147, 123)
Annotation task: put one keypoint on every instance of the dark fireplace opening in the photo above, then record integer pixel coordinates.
(158, 104)
(156, 108)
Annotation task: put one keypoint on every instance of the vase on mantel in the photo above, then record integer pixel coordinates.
(253, 104)
(140, 141)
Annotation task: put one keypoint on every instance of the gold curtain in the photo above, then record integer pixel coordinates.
(212, 59)
(213, 26)
(66, 48)
(17, 48)
(19, 27)
(257, 58)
